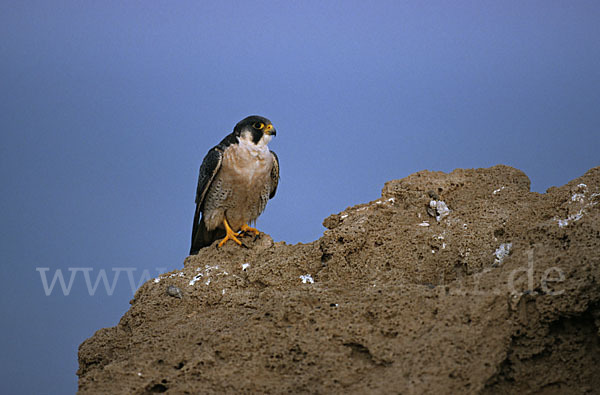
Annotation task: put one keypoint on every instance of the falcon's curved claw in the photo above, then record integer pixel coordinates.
(247, 229)
(231, 235)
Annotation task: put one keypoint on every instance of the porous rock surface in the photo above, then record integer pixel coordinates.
(449, 283)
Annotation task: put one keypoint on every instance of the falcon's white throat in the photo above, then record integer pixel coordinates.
(250, 160)
(259, 150)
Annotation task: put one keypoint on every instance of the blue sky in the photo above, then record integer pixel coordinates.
(108, 107)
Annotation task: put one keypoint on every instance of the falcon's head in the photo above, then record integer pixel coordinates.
(255, 129)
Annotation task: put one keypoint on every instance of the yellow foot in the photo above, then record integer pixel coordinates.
(247, 229)
(229, 236)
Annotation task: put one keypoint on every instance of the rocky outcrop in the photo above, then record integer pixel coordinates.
(449, 283)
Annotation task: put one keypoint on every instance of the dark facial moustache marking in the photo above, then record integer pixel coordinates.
(256, 136)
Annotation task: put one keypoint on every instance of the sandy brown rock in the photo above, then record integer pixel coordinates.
(499, 294)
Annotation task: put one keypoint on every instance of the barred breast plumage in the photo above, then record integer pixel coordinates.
(240, 191)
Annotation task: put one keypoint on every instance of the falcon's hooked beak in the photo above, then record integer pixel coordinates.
(270, 130)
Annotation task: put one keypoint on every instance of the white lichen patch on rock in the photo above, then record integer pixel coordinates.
(578, 197)
(441, 209)
(571, 218)
(178, 274)
(196, 278)
(209, 272)
(307, 279)
(362, 208)
(502, 252)
(390, 201)
(438, 239)
(579, 194)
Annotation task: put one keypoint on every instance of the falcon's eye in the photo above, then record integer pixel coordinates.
(258, 125)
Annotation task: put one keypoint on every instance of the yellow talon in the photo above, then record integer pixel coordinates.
(247, 229)
(229, 236)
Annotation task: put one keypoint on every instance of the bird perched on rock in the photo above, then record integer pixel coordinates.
(237, 178)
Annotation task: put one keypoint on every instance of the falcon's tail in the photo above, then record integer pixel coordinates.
(203, 237)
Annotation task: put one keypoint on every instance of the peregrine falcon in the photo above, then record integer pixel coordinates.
(237, 178)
